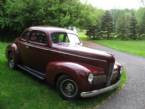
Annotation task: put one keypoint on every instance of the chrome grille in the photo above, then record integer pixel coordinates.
(99, 79)
(110, 73)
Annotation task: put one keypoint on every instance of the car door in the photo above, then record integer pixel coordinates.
(38, 51)
(23, 47)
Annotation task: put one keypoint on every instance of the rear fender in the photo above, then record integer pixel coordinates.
(12, 48)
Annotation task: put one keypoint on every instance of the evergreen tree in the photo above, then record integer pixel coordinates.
(133, 27)
(91, 32)
(142, 24)
(122, 27)
(107, 23)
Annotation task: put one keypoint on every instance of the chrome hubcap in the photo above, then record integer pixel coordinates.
(68, 88)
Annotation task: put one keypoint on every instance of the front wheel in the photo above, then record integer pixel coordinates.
(67, 87)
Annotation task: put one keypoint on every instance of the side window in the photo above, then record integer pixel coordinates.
(33, 37)
(25, 35)
(59, 37)
(41, 37)
(38, 37)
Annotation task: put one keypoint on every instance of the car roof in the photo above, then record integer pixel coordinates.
(51, 29)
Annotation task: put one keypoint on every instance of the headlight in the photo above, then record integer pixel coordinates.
(90, 78)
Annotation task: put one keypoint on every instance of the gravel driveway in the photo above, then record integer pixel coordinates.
(133, 95)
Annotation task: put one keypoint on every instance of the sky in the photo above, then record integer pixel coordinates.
(115, 4)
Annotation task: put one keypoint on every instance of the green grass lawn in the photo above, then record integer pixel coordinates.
(19, 90)
(83, 36)
(132, 47)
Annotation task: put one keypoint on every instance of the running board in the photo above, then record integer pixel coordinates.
(33, 72)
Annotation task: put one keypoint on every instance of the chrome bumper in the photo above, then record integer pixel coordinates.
(97, 92)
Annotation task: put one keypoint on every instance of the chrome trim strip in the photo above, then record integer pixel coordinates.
(97, 92)
(36, 46)
(39, 73)
(35, 73)
(110, 74)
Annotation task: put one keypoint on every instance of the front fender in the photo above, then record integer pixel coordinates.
(12, 48)
(76, 71)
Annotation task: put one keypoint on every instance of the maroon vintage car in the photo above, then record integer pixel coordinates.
(57, 56)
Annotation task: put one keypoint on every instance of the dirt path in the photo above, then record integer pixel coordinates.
(133, 95)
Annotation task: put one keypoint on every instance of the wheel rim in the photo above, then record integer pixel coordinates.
(11, 63)
(68, 88)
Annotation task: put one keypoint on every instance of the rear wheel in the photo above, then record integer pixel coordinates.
(11, 61)
(67, 87)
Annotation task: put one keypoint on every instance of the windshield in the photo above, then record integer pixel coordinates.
(61, 37)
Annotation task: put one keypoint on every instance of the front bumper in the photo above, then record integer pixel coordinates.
(99, 91)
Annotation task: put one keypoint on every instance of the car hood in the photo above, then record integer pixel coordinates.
(85, 52)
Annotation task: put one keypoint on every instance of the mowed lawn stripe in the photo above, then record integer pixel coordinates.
(136, 47)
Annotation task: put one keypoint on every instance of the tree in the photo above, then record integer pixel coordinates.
(122, 27)
(133, 27)
(91, 32)
(20, 14)
(2, 3)
(142, 24)
(107, 23)
(94, 27)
